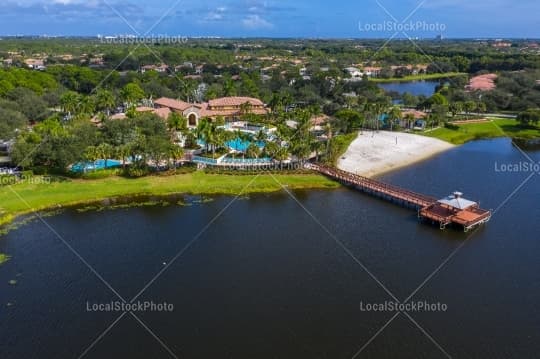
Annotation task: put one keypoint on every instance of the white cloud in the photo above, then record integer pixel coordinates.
(216, 15)
(256, 22)
(213, 16)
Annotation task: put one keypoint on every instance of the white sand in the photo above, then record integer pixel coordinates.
(374, 153)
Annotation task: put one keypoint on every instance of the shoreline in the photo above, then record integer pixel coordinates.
(373, 154)
(69, 194)
(415, 78)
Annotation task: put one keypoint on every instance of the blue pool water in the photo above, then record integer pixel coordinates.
(237, 144)
(240, 145)
(97, 165)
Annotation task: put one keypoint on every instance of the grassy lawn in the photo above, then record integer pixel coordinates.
(71, 192)
(419, 77)
(474, 131)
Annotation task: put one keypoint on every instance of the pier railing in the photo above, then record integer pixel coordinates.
(428, 207)
(373, 186)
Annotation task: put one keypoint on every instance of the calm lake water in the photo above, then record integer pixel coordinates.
(266, 281)
(416, 88)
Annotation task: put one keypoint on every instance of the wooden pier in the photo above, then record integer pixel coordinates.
(447, 211)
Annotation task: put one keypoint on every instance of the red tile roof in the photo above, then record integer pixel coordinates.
(174, 104)
(226, 106)
(319, 120)
(482, 83)
(234, 101)
(417, 114)
(144, 109)
(163, 112)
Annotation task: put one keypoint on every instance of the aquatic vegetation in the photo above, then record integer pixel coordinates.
(4, 258)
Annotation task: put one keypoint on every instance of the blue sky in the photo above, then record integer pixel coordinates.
(273, 18)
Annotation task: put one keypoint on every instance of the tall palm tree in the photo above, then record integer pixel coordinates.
(105, 100)
(176, 123)
(281, 155)
(379, 109)
(201, 130)
(316, 146)
(261, 136)
(176, 153)
(91, 154)
(122, 152)
(87, 105)
(70, 102)
(395, 115)
(271, 149)
(410, 119)
(105, 152)
(246, 110)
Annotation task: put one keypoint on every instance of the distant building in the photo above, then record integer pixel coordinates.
(372, 71)
(161, 68)
(482, 83)
(36, 64)
(501, 44)
(354, 72)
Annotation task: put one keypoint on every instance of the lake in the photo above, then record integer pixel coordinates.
(416, 88)
(263, 279)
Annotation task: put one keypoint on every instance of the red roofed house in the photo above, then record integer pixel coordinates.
(230, 108)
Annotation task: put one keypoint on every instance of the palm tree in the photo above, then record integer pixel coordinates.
(328, 132)
(276, 103)
(394, 115)
(105, 100)
(409, 118)
(316, 146)
(253, 151)
(246, 110)
(281, 155)
(70, 102)
(91, 154)
(378, 110)
(271, 149)
(176, 153)
(261, 137)
(105, 152)
(122, 152)
(176, 123)
(132, 93)
(201, 131)
(87, 105)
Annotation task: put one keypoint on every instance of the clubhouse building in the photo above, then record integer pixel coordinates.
(230, 108)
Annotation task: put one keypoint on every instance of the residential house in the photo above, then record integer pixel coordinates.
(372, 71)
(161, 68)
(36, 64)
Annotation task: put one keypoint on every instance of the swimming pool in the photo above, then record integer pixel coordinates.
(97, 165)
(242, 146)
(237, 144)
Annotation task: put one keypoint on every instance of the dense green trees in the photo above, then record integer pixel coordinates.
(61, 100)
(529, 117)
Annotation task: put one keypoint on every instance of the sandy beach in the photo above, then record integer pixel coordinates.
(372, 154)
